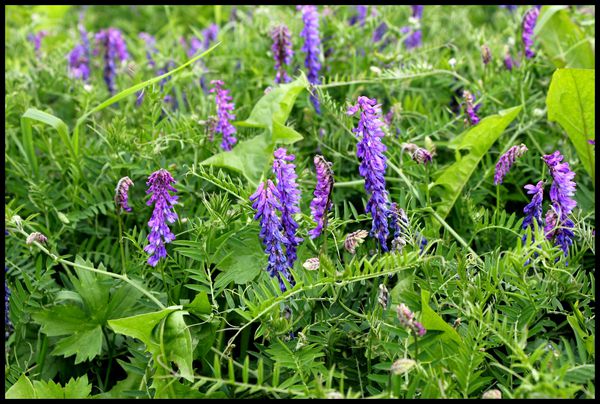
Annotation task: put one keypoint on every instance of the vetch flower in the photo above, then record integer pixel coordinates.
(354, 239)
(282, 52)
(486, 55)
(407, 320)
(360, 16)
(533, 210)
(311, 47)
(372, 168)
(529, 21)
(321, 204)
(8, 327)
(266, 202)
(418, 154)
(379, 32)
(561, 192)
(36, 236)
(224, 108)
(383, 297)
(290, 200)
(470, 109)
(312, 264)
(417, 11)
(150, 47)
(121, 194)
(509, 62)
(506, 161)
(494, 393)
(402, 366)
(36, 40)
(79, 63)
(160, 183)
(112, 42)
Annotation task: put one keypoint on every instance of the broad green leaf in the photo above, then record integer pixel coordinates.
(562, 40)
(581, 374)
(61, 320)
(85, 345)
(478, 140)
(241, 259)
(571, 103)
(23, 388)
(177, 343)
(200, 304)
(432, 321)
(284, 134)
(250, 158)
(57, 124)
(142, 326)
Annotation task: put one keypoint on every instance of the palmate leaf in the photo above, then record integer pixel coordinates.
(25, 388)
(478, 140)
(571, 103)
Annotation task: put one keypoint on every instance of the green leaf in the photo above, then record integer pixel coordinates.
(571, 103)
(177, 344)
(23, 388)
(241, 259)
(27, 119)
(85, 345)
(75, 388)
(562, 40)
(432, 321)
(478, 140)
(200, 304)
(580, 374)
(250, 158)
(61, 320)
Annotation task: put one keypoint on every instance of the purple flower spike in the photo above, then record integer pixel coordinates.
(37, 40)
(533, 210)
(224, 108)
(282, 52)
(113, 44)
(506, 161)
(122, 193)
(470, 109)
(290, 200)
(592, 142)
(417, 11)
(509, 62)
(372, 168)
(558, 223)
(321, 204)
(311, 47)
(159, 184)
(79, 63)
(266, 202)
(8, 327)
(150, 47)
(407, 319)
(359, 17)
(379, 32)
(529, 21)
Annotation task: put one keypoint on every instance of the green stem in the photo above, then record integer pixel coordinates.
(110, 355)
(498, 198)
(123, 270)
(416, 346)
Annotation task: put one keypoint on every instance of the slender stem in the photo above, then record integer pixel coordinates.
(110, 355)
(416, 346)
(498, 198)
(123, 270)
(454, 233)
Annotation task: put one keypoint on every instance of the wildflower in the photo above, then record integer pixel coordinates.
(510, 8)
(372, 168)
(321, 204)
(360, 16)
(486, 55)
(312, 264)
(407, 320)
(533, 210)
(558, 225)
(422, 244)
(312, 42)
(36, 39)
(384, 296)
(418, 154)
(150, 47)
(209, 35)
(417, 11)
(290, 200)
(379, 32)
(398, 220)
(506, 161)
(354, 239)
(529, 21)
(224, 106)
(592, 142)
(282, 52)
(266, 202)
(211, 127)
(8, 327)
(37, 237)
(114, 46)
(494, 393)
(79, 63)
(414, 39)
(509, 62)
(121, 194)
(402, 366)
(470, 109)
(159, 184)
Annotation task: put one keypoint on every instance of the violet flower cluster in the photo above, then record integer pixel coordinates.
(266, 202)
(160, 183)
(80, 56)
(112, 42)
(533, 210)
(506, 161)
(122, 194)
(8, 327)
(36, 40)
(407, 319)
(150, 42)
(224, 108)
(509, 61)
(282, 52)
(470, 109)
(322, 202)
(289, 195)
(372, 168)
(311, 47)
(359, 17)
(558, 224)
(414, 39)
(529, 21)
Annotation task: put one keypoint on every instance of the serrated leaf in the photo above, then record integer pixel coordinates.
(571, 103)
(23, 388)
(75, 388)
(85, 345)
(61, 320)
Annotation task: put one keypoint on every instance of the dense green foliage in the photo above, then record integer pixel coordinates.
(92, 319)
